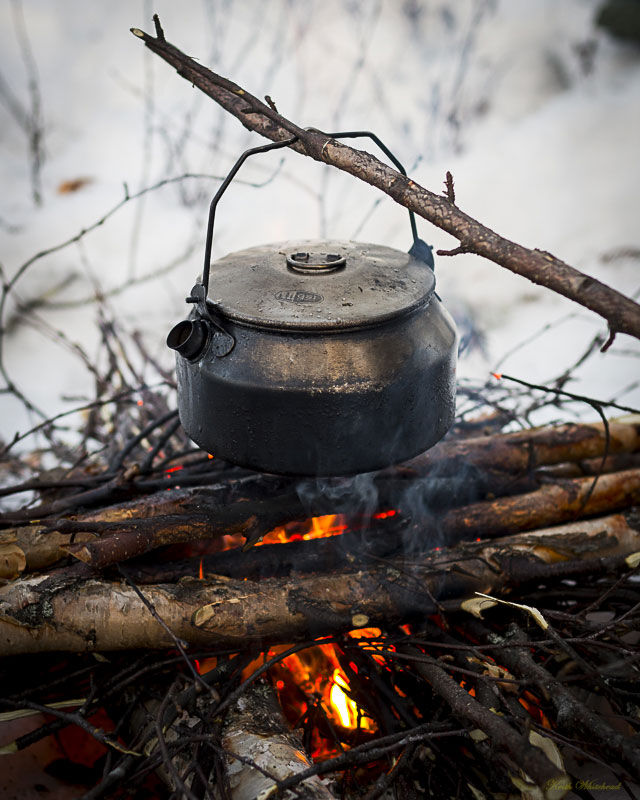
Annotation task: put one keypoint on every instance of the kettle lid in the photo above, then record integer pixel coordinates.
(319, 285)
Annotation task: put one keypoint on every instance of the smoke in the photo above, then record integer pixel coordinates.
(419, 501)
(354, 495)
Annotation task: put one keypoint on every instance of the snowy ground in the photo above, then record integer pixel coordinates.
(535, 112)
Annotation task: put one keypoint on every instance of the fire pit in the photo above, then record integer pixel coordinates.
(349, 654)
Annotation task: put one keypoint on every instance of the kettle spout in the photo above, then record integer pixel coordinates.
(189, 338)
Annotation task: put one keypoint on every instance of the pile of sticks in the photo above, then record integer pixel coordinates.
(497, 573)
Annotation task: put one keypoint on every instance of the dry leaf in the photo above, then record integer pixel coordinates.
(633, 560)
(475, 605)
(12, 561)
(542, 622)
(73, 185)
(548, 748)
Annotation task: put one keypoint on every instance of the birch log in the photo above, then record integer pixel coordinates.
(47, 614)
(256, 730)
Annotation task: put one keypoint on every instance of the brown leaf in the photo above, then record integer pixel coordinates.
(73, 185)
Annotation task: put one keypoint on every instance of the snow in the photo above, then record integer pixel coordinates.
(534, 111)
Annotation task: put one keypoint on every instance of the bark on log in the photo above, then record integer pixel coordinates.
(255, 729)
(525, 450)
(549, 505)
(39, 614)
(33, 547)
(621, 313)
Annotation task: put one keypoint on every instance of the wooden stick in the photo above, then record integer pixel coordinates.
(526, 450)
(550, 505)
(256, 730)
(622, 313)
(41, 614)
(548, 779)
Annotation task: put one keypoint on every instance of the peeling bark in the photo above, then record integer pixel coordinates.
(41, 614)
(255, 729)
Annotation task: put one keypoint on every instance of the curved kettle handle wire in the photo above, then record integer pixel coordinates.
(276, 146)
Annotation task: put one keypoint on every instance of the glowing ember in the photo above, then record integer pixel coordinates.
(205, 665)
(532, 704)
(385, 514)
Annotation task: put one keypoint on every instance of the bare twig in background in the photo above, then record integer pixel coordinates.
(30, 120)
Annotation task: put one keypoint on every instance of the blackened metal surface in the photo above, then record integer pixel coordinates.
(324, 403)
(274, 286)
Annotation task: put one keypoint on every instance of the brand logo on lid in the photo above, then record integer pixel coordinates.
(298, 296)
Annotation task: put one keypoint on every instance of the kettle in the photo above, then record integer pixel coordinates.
(316, 358)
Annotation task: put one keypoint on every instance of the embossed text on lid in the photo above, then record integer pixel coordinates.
(330, 285)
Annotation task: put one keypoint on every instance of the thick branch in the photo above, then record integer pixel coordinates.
(39, 614)
(621, 313)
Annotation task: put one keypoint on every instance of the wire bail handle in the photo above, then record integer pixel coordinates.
(419, 249)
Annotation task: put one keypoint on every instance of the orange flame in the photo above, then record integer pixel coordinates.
(315, 528)
(341, 704)
(314, 677)
(532, 704)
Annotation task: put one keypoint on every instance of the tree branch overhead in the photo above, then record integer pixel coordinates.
(621, 313)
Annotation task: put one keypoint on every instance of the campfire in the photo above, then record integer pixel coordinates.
(462, 624)
(239, 621)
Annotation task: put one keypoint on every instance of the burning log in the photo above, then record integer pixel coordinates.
(552, 504)
(262, 751)
(46, 613)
